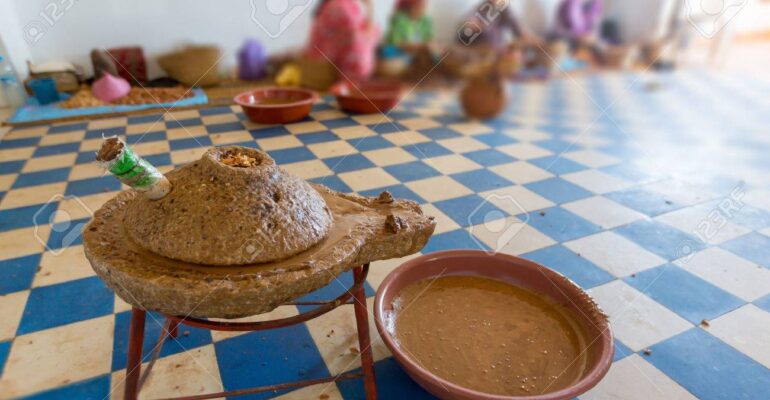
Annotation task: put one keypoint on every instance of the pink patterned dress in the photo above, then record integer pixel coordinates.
(342, 33)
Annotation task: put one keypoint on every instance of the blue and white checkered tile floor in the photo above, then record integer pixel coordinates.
(651, 192)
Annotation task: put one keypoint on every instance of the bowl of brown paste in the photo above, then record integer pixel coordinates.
(465, 324)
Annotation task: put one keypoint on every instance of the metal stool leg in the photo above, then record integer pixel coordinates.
(364, 341)
(134, 358)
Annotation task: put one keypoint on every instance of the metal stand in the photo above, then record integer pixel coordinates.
(355, 295)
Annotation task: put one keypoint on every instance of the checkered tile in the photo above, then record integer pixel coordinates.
(620, 188)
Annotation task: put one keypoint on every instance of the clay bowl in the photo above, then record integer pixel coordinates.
(276, 105)
(513, 270)
(367, 97)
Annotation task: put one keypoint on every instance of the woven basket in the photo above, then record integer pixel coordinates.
(193, 66)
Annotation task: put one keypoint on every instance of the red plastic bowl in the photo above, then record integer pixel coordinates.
(516, 271)
(367, 97)
(276, 105)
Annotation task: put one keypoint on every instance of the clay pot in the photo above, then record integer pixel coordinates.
(110, 88)
(193, 66)
(483, 97)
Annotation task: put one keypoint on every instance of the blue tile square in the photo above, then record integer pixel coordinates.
(392, 383)
(558, 146)
(17, 273)
(411, 171)
(84, 187)
(339, 123)
(317, 137)
(481, 180)
(427, 150)
(495, 139)
(23, 217)
(11, 167)
(661, 239)
(627, 171)
(85, 157)
(106, 132)
(5, 348)
(18, 143)
(350, 162)
(558, 190)
(557, 164)
(67, 233)
(566, 262)
(65, 303)
(159, 160)
(388, 127)
(183, 123)
(644, 201)
(145, 137)
(190, 143)
(752, 218)
(368, 143)
(270, 131)
(269, 357)
(97, 388)
(214, 111)
(561, 225)
(453, 240)
(188, 338)
(142, 119)
(398, 191)
(398, 114)
(56, 149)
(684, 293)
(754, 247)
(439, 133)
(763, 303)
(41, 177)
(68, 128)
(489, 157)
(470, 210)
(224, 127)
(621, 351)
(334, 289)
(709, 368)
(333, 182)
(294, 154)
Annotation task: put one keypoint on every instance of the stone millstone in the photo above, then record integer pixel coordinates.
(361, 230)
(225, 210)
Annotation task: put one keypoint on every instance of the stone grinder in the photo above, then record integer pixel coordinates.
(233, 235)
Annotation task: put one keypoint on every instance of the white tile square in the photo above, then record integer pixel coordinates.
(514, 237)
(308, 169)
(521, 172)
(461, 145)
(452, 164)
(335, 335)
(438, 188)
(516, 199)
(443, 222)
(705, 222)
(365, 179)
(389, 156)
(405, 138)
(729, 272)
(353, 132)
(58, 356)
(637, 320)
(614, 253)
(524, 151)
(419, 123)
(190, 373)
(527, 135)
(633, 378)
(603, 212)
(470, 128)
(335, 148)
(596, 181)
(64, 265)
(591, 158)
(323, 391)
(747, 329)
(11, 309)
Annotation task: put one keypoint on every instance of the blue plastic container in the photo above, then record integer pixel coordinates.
(44, 90)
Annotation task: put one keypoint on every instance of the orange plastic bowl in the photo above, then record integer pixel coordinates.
(513, 270)
(275, 105)
(367, 97)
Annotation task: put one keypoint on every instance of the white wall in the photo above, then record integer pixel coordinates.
(160, 25)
